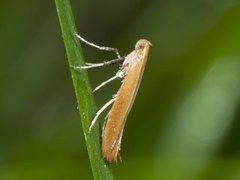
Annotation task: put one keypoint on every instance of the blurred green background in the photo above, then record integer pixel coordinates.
(185, 122)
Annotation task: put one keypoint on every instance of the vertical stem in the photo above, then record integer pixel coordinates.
(83, 90)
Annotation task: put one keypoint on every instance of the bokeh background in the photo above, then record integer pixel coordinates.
(185, 122)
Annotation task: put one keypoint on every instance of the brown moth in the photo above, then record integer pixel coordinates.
(131, 71)
(133, 67)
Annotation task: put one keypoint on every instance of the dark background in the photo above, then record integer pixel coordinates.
(185, 121)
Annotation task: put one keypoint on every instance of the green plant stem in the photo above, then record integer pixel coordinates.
(83, 90)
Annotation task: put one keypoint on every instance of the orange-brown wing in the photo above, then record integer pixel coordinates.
(111, 137)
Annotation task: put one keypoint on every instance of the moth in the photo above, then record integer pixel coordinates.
(131, 71)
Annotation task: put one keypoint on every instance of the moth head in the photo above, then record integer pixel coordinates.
(142, 43)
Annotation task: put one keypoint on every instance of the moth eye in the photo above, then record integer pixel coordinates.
(139, 45)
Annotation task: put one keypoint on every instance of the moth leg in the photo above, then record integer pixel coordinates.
(99, 112)
(119, 146)
(94, 65)
(104, 123)
(113, 96)
(119, 75)
(99, 47)
(118, 140)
